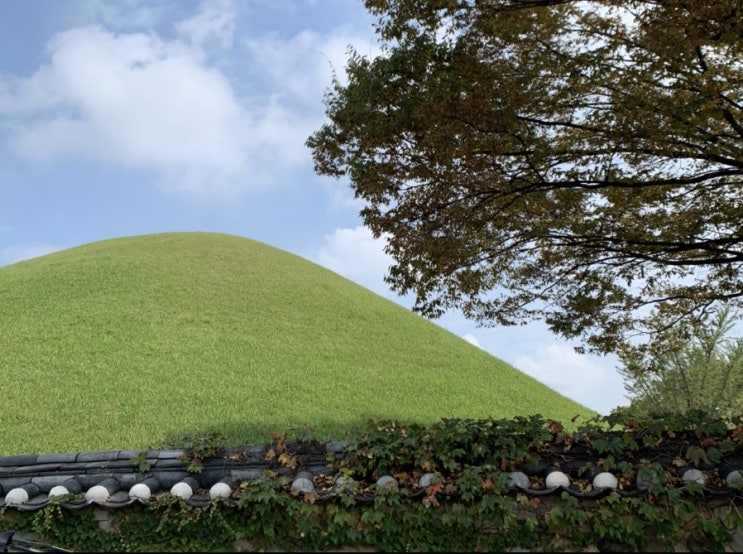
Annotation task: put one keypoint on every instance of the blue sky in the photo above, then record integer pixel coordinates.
(129, 117)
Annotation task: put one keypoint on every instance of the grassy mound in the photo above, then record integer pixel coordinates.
(122, 343)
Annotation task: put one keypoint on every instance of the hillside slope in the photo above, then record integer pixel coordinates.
(121, 343)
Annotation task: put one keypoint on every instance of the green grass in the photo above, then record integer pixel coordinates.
(122, 343)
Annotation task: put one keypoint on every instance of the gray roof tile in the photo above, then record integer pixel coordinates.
(119, 472)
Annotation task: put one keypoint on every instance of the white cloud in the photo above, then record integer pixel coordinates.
(358, 256)
(142, 102)
(214, 19)
(303, 66)
(20, 252)
(137, 101)
(472, 340)
(577, 376)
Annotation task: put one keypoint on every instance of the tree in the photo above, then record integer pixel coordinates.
(689, 369)
(578, 162)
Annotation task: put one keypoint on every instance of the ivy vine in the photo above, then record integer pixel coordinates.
(467, 507)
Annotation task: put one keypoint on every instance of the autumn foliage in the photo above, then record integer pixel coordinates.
(580, 163)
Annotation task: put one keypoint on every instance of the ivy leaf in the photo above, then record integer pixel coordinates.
(288, 460)
(696, 454)
(555, 428)
(507, 465)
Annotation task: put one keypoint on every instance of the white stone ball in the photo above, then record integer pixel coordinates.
(98, 493)
(734, 478)
(387, 481)
(344, 480)
(59, 490)
(557, 479)
(16, 496)
(518, 479)
(182, 490)
(694, 475)
(605, 480)
(303, 484)
(141, 491)
(345, 483)
(426, 480)
(220, 490)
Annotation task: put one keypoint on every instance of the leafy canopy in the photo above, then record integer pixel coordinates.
(687, 369)
(579, 162)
